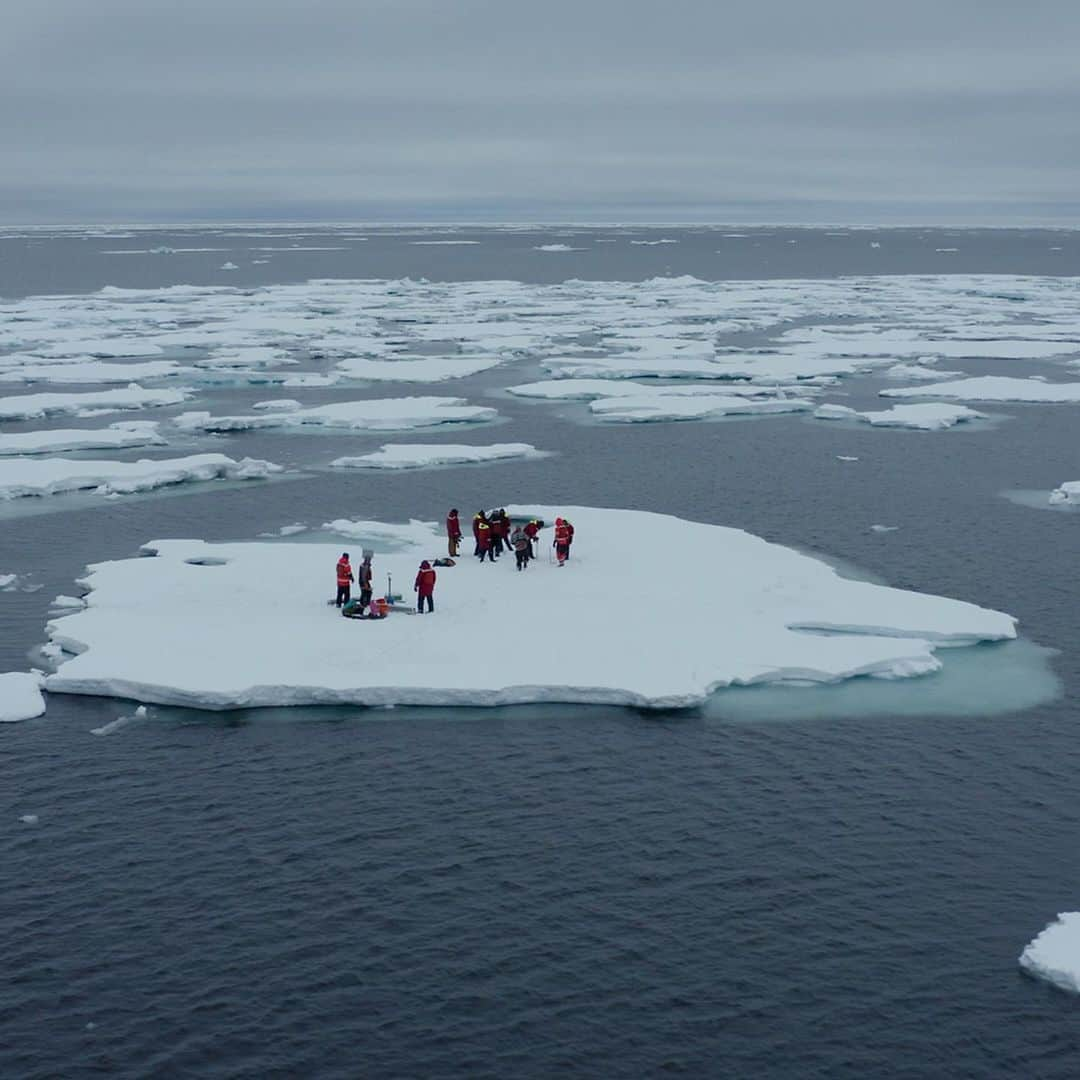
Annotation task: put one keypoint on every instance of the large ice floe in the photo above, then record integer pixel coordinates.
(930, 416)
(426, 455)
(55, 476)
(193, 626)
(995, 388)
(20, 696)
(37, 406)
(375, 414)
(119, 436)
(1055, 954)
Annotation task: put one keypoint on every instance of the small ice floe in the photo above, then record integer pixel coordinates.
(1054, 955)
(791, 618)
(995, 388)
(443, 243)
(51, 651)
(278, 405)
(418, 369)
(1066, 495)
(874, 244)
(54, 476)
(120, 722)
(653, 243)
(931, 416)
(292, 530)
(884, 528)
(918, 371)
(63, 601)
(91, 371)
(20, 696)
(59, 441)
(9, 582)
(423, 455)
(229, 266)
(556, 247)
(846, 457)
(946, 251)
(374, 414)
(29, 819)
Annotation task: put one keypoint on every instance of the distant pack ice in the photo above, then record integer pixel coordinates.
(196, 626)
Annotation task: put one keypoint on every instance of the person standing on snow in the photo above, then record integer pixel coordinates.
(569, 536)
(562, 541)
(522, 547)
(344, 579)
(483, 542)
(532, 531)
(424, 587)
(478, 519)
(453, 533)
(496, 534)
(363, 580)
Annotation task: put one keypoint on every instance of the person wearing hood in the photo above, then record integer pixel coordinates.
(344, 579)
(424, 587)
(532, 531)
(562, 541)
(484, 549)
(479, 520)
(453, 533)
(522, 546)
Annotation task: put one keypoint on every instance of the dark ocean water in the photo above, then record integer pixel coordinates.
(554, 891)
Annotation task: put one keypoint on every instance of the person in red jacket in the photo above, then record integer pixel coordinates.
(483, 542)
(424, 587)
(532, 530)
(562, 541)
(569, 536)
(479, 518)
(453, 533)
(344, 579)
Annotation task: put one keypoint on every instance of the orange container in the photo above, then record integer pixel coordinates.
(382, 607)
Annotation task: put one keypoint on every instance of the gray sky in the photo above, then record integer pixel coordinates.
(723, 110)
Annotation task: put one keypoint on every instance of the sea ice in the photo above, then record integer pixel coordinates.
(192, 625)
(53, 476)
(1054, 955)
(1068, 493)
(556, 247)
(425, 455)
(59, 441)
(36, 406)
(373, 414)
(994, 388)
(421, 369)
(20, 696)
(929, 416)
(91, 371)
(659, 406)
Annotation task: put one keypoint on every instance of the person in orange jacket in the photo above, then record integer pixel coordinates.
(562, 541)
(484, 548)
(344, 579)
(453, 533)
(424, 587)
(479, 518)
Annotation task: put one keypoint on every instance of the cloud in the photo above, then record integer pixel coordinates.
(124, 110)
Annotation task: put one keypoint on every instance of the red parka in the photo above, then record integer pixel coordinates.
(453, 527)
(425, 580)
(344, 571)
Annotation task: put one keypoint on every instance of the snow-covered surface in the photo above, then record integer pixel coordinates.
(54, 476)
(928, 416)
(374, 414)
(58, 441)
(423, 455)
(420, 369)
(660, 406)
(88, 371)
(1055, 954)
(994, 388)
(179, 628)
(20, 696)
(1068, 493)
(36, 406)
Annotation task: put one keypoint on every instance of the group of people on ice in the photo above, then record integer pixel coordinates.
(493, 533)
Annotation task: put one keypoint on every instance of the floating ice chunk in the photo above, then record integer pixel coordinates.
(20, 696)
(884, 528)
(168, 630)
(229, 266)
(556, 247)
(414, 534)
(591, 389)
(1054, 955)
(97, 348)
(292, 530)
(36, 406)
(918, 371)
(59, 441)
(443, 243)
(417, 368)
(659, 406)
(91, 371)
(374, 414)
(63, 601)
(120, 722)
(994, 388)
(53, 476)
(251, 356)
(929, 416)
(425, 455)
(51, 651)
(1068, 493)
(652, 243)
(278, 405)
(845, 457)
(29, 819)
(7, 581)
